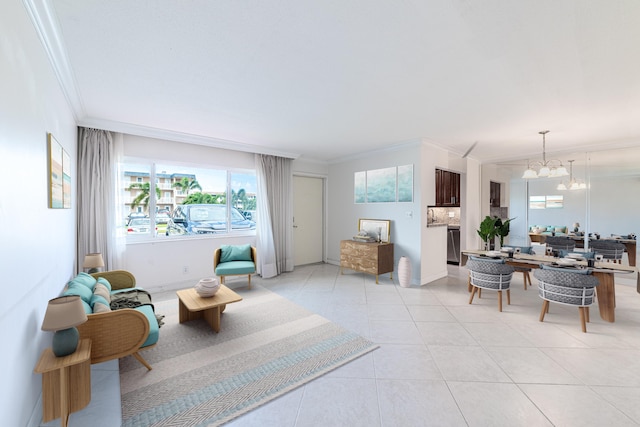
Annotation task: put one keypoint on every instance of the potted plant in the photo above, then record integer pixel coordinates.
(502, 229)
(487, 230)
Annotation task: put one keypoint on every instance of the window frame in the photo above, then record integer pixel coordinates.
(130, 161)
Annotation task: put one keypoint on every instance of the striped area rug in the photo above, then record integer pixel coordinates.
(266, 347)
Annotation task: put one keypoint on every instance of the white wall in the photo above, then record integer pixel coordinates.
(343, 213)
(37, 253)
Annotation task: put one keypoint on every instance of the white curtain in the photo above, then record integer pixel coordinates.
(99, 154)
(275, 215)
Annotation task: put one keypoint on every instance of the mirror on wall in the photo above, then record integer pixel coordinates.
(608, 205)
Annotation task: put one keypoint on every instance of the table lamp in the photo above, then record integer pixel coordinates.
(576, 227)
(62, 316)
(93, 262)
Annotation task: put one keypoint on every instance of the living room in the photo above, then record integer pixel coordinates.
(39, 254)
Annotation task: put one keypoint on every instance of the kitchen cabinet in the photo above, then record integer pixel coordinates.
(494, 194)
(373, 258)
(447, 188)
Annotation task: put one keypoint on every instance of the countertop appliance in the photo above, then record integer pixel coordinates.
(453, 244)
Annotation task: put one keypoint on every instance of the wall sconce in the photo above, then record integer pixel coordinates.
(93, 262)
(62, 316)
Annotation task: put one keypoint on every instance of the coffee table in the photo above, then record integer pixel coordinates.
(192, 306)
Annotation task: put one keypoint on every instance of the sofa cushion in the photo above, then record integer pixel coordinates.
(154, 329)
(99, 304)
(105, 282)
(76, 288)
(85, 279)
(101, 290)
(235, 253)
(233, 268)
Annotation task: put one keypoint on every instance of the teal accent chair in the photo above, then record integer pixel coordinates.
(235, 260)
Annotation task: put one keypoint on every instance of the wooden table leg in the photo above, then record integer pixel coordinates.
(64, 398)
(212, 316)
(606, 295)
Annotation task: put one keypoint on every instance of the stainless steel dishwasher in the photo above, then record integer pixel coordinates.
(453, 244)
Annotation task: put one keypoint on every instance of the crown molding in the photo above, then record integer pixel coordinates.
(45, 24)
(188, 138)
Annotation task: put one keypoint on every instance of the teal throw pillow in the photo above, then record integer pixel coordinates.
(99, 304)
(85, 279)
(75, 288)
(235, 253)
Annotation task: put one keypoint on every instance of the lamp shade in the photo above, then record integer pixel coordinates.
(64, 313)
(93, 261)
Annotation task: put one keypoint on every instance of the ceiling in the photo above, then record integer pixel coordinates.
(330, 79)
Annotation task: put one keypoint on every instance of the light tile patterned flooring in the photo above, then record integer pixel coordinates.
(443, 362)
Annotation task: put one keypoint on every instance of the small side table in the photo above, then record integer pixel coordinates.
(66, 382)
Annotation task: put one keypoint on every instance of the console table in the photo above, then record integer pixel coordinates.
(66, 382)
(373, 258)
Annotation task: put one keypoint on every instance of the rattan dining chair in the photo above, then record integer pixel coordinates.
(568, 287)
(559, 243)
(610, 250)
(493, 275)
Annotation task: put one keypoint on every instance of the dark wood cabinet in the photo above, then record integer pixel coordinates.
(447, 188)
(373, 258)
(494, 194)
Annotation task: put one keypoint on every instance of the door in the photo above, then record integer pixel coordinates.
(308, 220)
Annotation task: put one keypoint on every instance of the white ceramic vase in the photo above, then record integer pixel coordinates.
(404, 272)
(207, 287)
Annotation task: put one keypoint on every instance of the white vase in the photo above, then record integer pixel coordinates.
(207, 287)
(404, 272)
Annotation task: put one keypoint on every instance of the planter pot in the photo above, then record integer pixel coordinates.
(404, 272)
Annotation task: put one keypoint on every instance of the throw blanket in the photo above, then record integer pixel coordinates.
(134, 298)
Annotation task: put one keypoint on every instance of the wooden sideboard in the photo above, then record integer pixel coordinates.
(373, 258)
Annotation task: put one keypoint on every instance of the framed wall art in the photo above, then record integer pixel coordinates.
(56, 192)
(376, 228)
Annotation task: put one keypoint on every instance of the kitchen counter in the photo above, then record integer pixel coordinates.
(437, 224)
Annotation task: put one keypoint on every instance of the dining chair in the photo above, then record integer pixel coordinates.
(611, 251)
(558, 243)
(493, 275)
(566, 286)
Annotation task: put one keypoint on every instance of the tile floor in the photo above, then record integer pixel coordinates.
(443, 362)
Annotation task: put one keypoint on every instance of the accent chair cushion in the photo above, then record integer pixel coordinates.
(234, 268)
(235, 253)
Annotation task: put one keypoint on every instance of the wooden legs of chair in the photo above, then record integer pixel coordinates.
(141, 360)
(475, 288)
(583, 311)
(248, 275)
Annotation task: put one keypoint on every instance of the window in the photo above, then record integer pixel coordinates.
(185, 200)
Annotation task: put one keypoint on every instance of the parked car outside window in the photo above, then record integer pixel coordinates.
(206, 219)
(139, 226)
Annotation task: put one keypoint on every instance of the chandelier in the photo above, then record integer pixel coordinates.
(546, 168)
(573, 184)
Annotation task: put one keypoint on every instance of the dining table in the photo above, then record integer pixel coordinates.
(603, 270)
